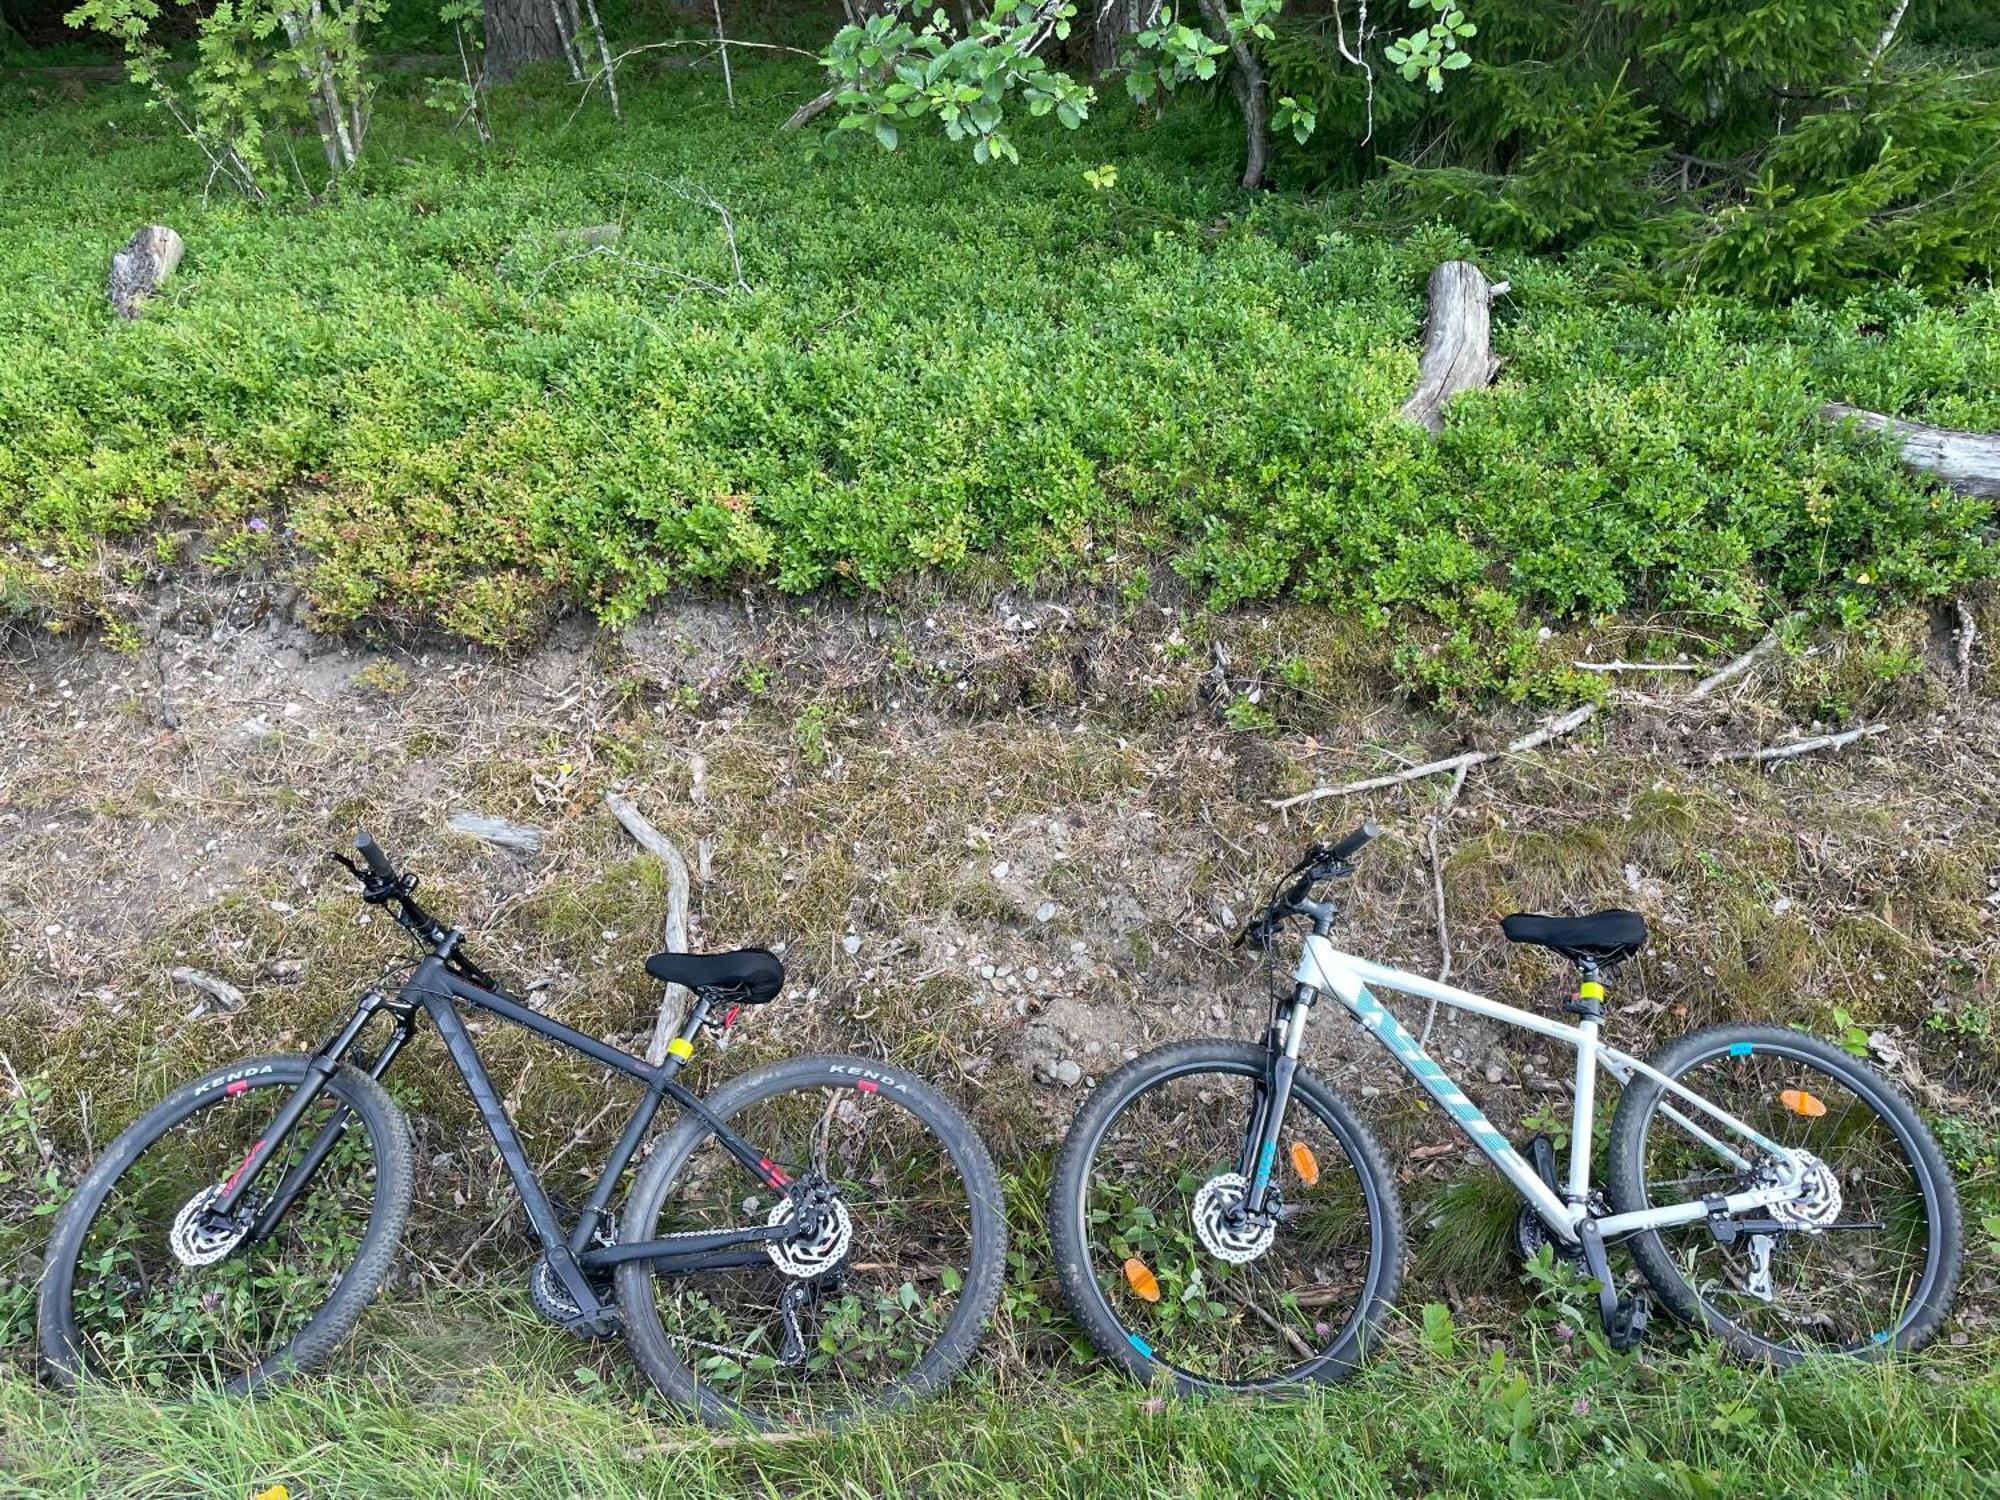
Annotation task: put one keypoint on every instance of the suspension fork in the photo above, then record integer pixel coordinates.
(318, 1071)
(1267, 1115)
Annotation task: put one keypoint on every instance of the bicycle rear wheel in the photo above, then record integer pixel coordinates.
(1876, 1278)
(140, 1289)
(1154, 1270)
(888, 1306)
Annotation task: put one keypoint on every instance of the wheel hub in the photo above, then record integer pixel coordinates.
(1224, 1230)
(198, 1238)
(1817, 1201)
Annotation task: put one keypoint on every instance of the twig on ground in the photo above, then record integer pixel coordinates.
(673, 1004)
(1635, 666)
(223, 997)
(1554, 729)
(1437, 894)
(1802, 747)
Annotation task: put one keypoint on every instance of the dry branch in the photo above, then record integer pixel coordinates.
(1802, 747)
(137, 271)
(1967, 461)
(1458, 354)
(811, 110)
(1554, 729)
(1534, 740)
(519, 837)
(1635, 666)
(673, 1004)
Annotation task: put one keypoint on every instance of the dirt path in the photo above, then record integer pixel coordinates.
(1006, 842)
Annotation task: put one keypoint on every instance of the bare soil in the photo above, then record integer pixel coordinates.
(1005, 840)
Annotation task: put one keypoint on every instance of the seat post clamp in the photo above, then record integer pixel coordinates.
(1589, 1001)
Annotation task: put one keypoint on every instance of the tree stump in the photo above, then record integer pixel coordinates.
(1458, 354)
(1967, 461)
(137, 271)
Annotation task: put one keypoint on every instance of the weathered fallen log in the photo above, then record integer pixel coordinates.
(1967, 461)
(674, 930)
(1458, 353)
(220, 997)
(137, 271)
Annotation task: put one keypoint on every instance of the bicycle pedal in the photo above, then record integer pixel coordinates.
(1626, 1328)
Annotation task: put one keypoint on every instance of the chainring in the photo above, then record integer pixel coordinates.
(553, 1301)
(1530, 1234)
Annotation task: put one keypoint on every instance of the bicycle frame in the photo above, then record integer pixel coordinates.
(1324, 969)
(434, 990)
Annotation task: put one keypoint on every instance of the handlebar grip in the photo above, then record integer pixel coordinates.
(372, 855)
(1352, 845)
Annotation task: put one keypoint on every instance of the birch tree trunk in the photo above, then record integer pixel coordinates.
(1247, 78)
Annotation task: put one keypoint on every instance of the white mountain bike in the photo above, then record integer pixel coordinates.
(1222, 1217)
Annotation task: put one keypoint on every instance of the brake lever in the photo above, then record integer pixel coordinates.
(1262, 928)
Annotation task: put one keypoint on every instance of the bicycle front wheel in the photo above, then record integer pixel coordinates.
(882, 1307)
(1162, 1278)
(141, 1288)
(1876, 1276)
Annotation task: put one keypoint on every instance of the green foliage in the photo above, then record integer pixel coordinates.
(1777, 149)
(889, 70)
(1006, 374)
(262, 68)
(1433, 50)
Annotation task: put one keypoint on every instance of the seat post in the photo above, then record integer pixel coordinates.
(1588, 1008)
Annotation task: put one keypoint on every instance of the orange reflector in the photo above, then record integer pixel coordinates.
(1799, 1102)
(1145, 1285)
(1305, 1163)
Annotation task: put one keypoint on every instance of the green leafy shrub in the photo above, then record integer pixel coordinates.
(425, 405)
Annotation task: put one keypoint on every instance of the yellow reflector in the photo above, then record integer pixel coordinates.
(1145, 1285)
(1799, 1102)
(1305, 1163)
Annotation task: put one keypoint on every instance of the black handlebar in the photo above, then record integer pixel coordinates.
(1353, 844)
(1320, 862)
(372, 855)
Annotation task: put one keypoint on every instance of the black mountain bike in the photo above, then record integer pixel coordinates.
(818, 1238)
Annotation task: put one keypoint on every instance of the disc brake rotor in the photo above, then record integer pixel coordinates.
(804, 1259)
(1817, 1202)
(198, 1241)
(1237, 1243)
